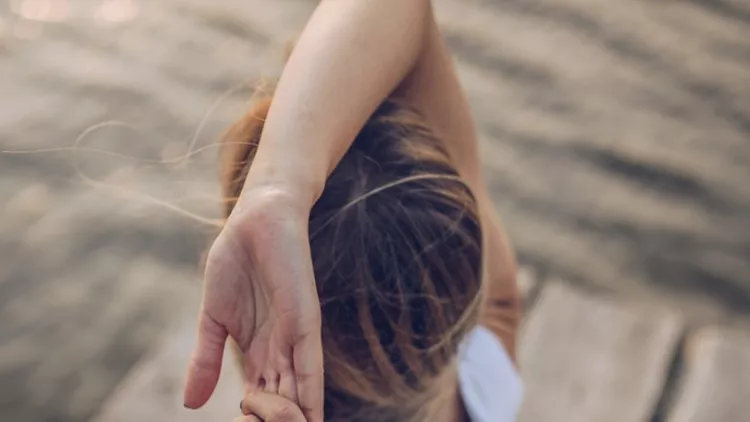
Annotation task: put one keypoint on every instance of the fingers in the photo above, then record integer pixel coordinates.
(288, 386)
(271, 380)
(308, 368)
(287, 383)
(256, 358)
(205, 365)
(249, 389)
(249, 418)
(271, 408)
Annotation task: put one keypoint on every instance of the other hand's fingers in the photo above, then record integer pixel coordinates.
(251, 418)
(308, 369)
(271, 408)
(205, 365)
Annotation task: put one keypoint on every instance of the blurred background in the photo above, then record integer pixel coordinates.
(615, 137)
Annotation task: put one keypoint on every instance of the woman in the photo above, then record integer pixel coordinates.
(260, 282)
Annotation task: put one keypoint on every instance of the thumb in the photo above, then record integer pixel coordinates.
(205, 365)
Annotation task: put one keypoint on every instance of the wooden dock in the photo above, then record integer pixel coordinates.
(614, 136)
(583, 357)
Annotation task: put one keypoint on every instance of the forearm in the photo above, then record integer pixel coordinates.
(350, 57)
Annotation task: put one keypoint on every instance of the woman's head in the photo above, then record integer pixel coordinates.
(396, 250)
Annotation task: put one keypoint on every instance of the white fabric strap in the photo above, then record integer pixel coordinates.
(491, 388)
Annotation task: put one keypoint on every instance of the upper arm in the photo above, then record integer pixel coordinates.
(434, 89)
(502, 306)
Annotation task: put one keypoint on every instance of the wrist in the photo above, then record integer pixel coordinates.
(289, 186)
(263, 205)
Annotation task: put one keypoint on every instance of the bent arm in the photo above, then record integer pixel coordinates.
(351, 55)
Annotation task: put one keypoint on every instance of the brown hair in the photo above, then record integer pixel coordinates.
(396, 249)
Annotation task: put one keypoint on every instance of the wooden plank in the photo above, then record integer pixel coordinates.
(716, 378)
(153, 389)
(585, 358)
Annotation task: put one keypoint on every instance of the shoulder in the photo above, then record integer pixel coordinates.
(489, 384)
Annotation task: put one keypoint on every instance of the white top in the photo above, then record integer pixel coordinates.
(490, 386)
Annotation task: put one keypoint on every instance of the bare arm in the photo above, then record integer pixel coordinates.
(351, 55)
(433, 87)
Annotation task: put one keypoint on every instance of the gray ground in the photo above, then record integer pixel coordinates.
(615, 137)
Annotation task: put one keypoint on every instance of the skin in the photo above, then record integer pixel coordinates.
(434, 89)
(259, 285)
(269, 408)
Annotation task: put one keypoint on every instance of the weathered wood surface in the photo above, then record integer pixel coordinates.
(90, 277)
(614, 136)
(152, 392)
(587, 359)
(716, 378)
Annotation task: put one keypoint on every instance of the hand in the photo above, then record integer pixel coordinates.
(260, 289)
(267, 407)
